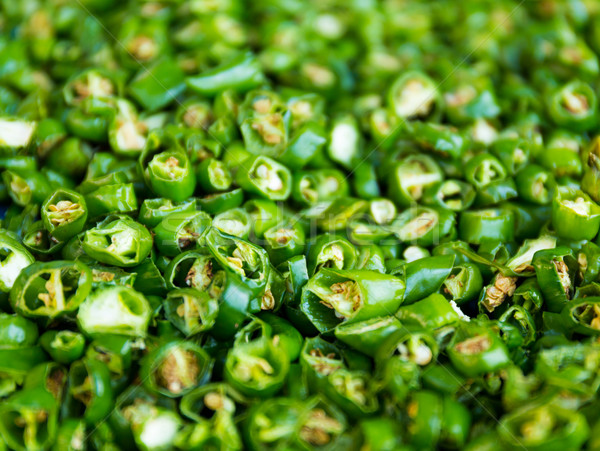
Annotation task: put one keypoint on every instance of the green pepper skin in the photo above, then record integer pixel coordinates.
(456, 423)
(319, 185)
(276, 417)
(424, 226)
(425, 276)
(535, 184)
(264, 215)
(221, 245)
(158, 85)
(334, 216)
(87, 126)
(380, 433)
(295, 272)
(220, 202)
(330, 251)
(442, 378)
(240, 74)
(476, 226)
(115, 352)
(529, 295)
(16, 331)
(336, 429)
(213, 176)
(520, 317)
(283, 243)
(38, 241)
(589, 264)
(303, 145)
(18, 351)
(450, 194)
(401, 89)
(291, 226)
(235, 222)
(69, 432)
(527, 218)
(496, 192)
(425, 413)
(432, 312)
(367, 336)
(153, 211)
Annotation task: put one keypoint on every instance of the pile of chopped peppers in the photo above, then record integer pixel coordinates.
(293, 225)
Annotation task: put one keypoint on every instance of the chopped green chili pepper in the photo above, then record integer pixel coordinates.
(543, 427)
(240, 74)
(175, 368)
(64, 214)
(475, 226)
(282, 243)
(116, 309)
(409, 179)
(118, 241)
(236, 227)
(414, 96)
(333, 295)
(190, 310)
(425, 276)
(475, 349)
(181, 231)
(89, 387)
(63, 346)
(29, 419)
(554, 272)
(257, 368)
(266, 178)
(14, 258)
(153, 211)
(463, 283)
(109, 194)
(574, 106)
(51, 289)
(368, 335)
(168, 173)
(424, 226)
(319, 185)
(574, 215)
